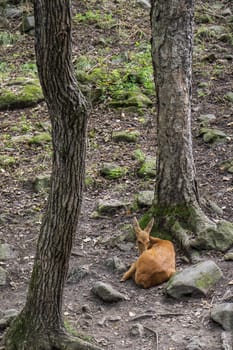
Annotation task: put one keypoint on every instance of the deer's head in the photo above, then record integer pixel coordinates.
(143, 236)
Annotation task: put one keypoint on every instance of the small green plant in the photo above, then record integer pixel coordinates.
(7, 38)
(29, 67)
(103, 20)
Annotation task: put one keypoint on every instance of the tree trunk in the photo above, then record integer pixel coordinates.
(176, 206)
(40, 324)
(172, 59)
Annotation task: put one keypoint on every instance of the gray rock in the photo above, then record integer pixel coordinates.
(195, 280)
(6, 317)
(148, 168)
(112, 171)
(195, 344)
(76, 274)
(227, 340)
(125, 136)
(212, 135)
(144, 3)
(13, 12)
(218, 237)
(106, 292)
(28, 24)
(223, 314)
(206, 119)
(110, 206)
(41, 182)
(228, 256)
(145, 198)
(6, 252)
(3, 274)
(229, 96)
(115, 264)
(137, 330)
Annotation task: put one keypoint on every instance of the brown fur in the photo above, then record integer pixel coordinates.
(156, 264)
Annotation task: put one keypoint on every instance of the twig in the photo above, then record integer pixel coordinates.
(156, 336)
(143, 316)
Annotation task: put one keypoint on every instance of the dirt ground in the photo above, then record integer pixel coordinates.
(168, 324)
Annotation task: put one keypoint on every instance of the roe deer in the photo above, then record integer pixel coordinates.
(156, 264)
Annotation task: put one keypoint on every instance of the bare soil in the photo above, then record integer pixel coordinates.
(168, 324)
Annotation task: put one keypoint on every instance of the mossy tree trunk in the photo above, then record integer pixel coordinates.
(40, 323)
(177, 201)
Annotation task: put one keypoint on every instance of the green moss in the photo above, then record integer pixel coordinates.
(148, 168)
(205, 282)
(6, 161)
(112, 171)
(126, 136)
(139, 155)
(24, 95)
(40, 139)
(102, 20)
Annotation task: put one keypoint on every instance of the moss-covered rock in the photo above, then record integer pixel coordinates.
(229, 96)
(20, 95)
(110, 206)
(148, 168)
(212, 135)
(219, 237)
(139, 155)
(6, 161)
(206, 119)
(227, 165)
(112, 171)
(145, 198)
(131, 99)
(125, 136)
(195, 280)
(41, 183)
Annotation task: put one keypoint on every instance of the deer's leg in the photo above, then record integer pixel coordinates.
(128, 274)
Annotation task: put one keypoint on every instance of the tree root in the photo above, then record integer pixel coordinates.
(71, 343)
(198, 232)
(55, 341)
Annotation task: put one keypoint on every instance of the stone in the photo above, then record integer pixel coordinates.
(112, 171)
(116, 264)
(106, 292)
(139, 155)
(148, 168)
(212, 135)
(76, 274)
(28, 24)
(145, 198)
(206, 119)
(110, 206)
(13, 12)
(125, 136)
(41, 183)
(131, 99)
(223, 314)
(195, 344)
(2, 276)
(21, 94)
(227, 340)
(218, 237)
(6, 317)
(6, 252)
(228, 256)
(137, 330)
(227, 165)
(144, 3)
(195, 280)
(229, 96)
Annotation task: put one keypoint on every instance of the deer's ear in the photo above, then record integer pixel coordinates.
(136, 225)
(149, 226)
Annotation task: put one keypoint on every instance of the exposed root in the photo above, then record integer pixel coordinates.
(55, 341)
(71, 343)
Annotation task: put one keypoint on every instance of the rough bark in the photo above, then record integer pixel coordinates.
(40, 324)
(177, 207)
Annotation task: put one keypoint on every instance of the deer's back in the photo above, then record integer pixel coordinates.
(155, 265)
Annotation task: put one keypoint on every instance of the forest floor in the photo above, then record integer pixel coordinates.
(182, 324)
